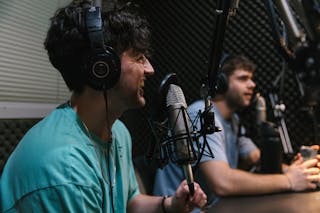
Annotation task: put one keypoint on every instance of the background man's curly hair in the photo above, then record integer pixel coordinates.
(233, 63)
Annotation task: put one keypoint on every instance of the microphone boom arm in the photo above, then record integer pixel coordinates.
(222, 12)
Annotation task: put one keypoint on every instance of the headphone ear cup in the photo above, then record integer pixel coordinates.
(104, 69)
(222, 83)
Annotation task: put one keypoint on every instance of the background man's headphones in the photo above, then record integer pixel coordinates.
(103, 66)
(222, 79)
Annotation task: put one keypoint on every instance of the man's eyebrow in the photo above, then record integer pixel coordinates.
(244, 75)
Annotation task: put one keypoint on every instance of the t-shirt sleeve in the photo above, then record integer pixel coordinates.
(133, 184)
(246, 146)
(215, 141)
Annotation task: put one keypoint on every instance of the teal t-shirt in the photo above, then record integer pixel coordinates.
(59, 167)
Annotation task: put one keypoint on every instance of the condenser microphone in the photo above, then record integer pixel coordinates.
(268, 138)
(182, 150)
(289, 19)
(260, 109)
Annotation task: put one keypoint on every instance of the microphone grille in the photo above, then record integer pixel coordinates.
(261, 103)
(175, 96)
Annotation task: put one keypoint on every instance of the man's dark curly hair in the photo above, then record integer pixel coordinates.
(235, 62)
(68, 46)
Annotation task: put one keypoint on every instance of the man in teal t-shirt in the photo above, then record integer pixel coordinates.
(78, 158)
(58, 157)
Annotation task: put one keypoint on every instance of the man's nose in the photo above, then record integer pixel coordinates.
(251, 83)
(148, 68)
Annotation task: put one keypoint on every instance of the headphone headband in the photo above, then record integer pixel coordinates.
(93, 23)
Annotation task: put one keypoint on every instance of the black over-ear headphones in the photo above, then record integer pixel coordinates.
(103, 66)
(222, 79)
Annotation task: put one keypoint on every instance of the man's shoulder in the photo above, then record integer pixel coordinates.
(197, 104)
(54, 146)
(120, 130)
(195, 107)
(43, 166)
(118, 124)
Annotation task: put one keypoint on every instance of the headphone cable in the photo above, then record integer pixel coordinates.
(105, 95)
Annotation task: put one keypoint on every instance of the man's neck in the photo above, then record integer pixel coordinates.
(91, 108)
(225, 111)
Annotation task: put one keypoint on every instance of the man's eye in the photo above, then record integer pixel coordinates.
(244, 78)
(141, 59)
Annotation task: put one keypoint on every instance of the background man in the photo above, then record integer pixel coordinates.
(220, 176)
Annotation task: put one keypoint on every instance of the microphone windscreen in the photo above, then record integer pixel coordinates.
(175, 96)
(261, 109)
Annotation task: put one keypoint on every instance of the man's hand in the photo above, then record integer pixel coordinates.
(183, 202)
(303, 175)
